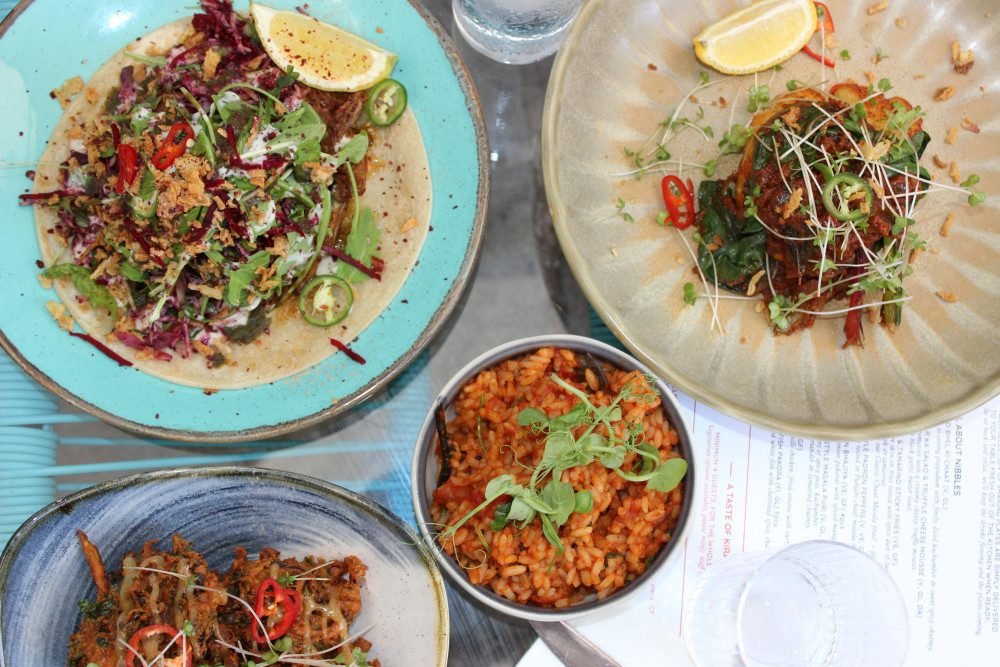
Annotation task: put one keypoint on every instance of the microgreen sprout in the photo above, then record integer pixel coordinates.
(690, 297)
(760, 97)
(620, 207)
(586, 433)
(734, 139)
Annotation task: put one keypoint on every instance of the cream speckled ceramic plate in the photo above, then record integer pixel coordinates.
(623, 69)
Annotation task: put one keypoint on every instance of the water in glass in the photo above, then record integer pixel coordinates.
(514, 31)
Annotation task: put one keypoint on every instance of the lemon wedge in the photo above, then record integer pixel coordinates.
(325, 56)
(756, 37)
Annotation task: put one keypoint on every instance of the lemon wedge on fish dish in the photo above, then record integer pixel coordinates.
(325, 56)
(759, 36)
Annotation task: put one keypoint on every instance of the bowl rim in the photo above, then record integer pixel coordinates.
(280, 477)
(419, 488)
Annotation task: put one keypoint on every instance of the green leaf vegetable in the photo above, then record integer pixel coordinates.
(731, 249)
(735, 139)
(554, 501)
(99, 296)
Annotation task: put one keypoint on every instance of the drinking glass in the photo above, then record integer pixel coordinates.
(810, 604)
(514, 31)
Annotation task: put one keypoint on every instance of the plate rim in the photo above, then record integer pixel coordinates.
(605, 310)
(378, 383)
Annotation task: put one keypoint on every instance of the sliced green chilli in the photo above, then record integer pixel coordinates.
(386, 102)
(325, 300)
(845, 186)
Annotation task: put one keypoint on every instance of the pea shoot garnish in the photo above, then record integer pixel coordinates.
(585, 434)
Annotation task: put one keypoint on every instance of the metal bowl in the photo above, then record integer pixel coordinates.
(426, 465)
(43, 572)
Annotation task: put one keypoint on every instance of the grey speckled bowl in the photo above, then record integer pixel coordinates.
(43, 573)
(426, 465)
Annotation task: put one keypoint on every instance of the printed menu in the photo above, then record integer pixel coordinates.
(926, 506)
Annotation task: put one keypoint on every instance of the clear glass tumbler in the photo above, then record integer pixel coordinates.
(514, 31)
(810, 604)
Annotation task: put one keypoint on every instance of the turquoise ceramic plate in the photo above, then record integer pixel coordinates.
(37, 54)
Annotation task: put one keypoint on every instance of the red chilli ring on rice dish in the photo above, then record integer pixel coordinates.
(602, 548)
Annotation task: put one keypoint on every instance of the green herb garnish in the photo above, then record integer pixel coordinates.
(552, 500)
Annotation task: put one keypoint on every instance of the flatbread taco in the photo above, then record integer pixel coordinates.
(209, 218)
